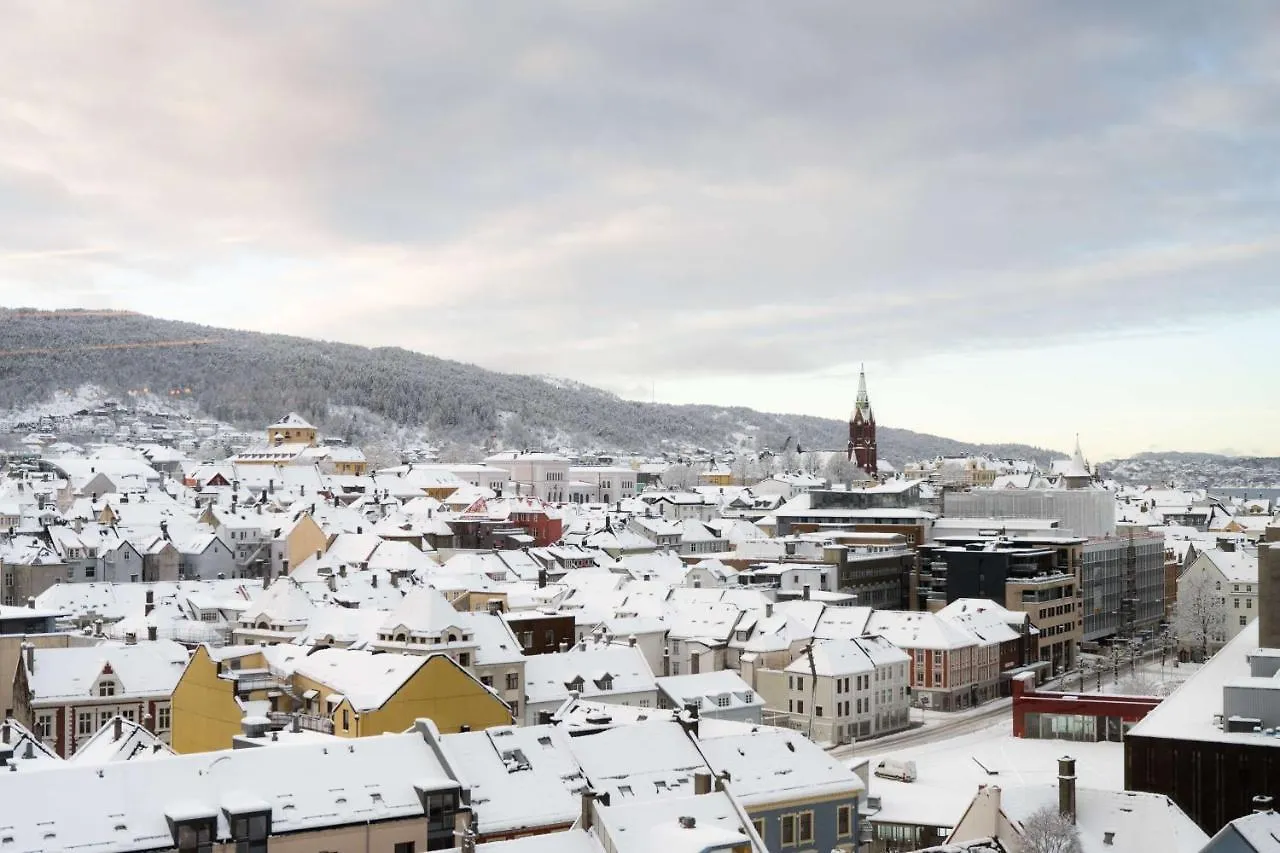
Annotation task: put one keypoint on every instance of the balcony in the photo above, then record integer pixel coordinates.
(306, 722)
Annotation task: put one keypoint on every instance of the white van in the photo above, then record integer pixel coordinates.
(903, 771)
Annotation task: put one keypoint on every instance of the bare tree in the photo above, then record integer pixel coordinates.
(1200, 614)
(1047, 831)
(679, 476)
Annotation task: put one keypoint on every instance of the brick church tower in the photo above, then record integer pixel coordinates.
(862, 429)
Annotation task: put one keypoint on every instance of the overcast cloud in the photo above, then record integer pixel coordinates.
(681, 193)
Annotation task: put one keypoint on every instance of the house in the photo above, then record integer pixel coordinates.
(65, 695)
(1103, 821)
(345, 692)
(795, 794)
(541, 475)
(839, 691)
(721, 695)
(1229, 573)
(617, 674)
(1255, 833)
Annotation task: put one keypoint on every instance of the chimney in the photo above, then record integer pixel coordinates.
(805, 594)
(690, 721)
(588, 802)
(359, 530)
(631, 641)
(117, 728)
(468, 842)
(1067, 788)
(153, 633)
(1108, 838)
(1261, 803)
(4, 732)
(373, 580)
(688, 822)
(131, 639)
(544, 718)
(1269, 595)
(266, 579)
(31, 602)
(542, 578)
(701, 783)
(29, 651)
(296, 725)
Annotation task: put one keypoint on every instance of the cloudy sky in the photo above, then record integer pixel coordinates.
(1028, 219)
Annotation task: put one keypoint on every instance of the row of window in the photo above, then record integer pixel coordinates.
(85, 721)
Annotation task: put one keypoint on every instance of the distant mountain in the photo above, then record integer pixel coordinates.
(250, 379)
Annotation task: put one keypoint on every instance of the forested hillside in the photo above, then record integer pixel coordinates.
(250, 379)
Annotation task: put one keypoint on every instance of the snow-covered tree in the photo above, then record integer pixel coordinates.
(1200, 614)
(1047, 831)
(840, 469)
(680, 476)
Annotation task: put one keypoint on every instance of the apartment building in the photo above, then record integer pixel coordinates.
(841, 690)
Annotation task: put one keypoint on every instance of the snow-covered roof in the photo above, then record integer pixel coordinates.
(121, 740)
(147, 669)
(307, 787)
(292, 420)
(842, 657)
(708, 689)
(548, 677)
(1113, 821)
(368, 680)
(520, 778)
(772, 765)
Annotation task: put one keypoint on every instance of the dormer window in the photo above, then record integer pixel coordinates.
(575, 684)
(249, 831)
(605, 682)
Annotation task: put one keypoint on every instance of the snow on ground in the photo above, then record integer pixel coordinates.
(950, 772)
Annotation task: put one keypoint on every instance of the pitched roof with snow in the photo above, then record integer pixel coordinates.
(148, 669)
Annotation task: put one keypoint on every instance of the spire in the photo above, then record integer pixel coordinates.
(863, 403)
(1078, 456)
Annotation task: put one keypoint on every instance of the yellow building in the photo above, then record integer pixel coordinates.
(291, 429)
(343, 692)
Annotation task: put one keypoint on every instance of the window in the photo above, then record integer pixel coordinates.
(44, 726)
(788, 830)
(404, 847)
(464, 659)
(107, 688)
(513, 681)
(1248, 604)
(162, 718)
(758, 825)
(84, 723)
(1244, 620)
(805, 830)
(346, 720)
(844, 821)
(799, 706)
(486, 680)
(722, 701)
(800, 682)
(127, 713)
(817, 710)
(250, 832)
(196, 837)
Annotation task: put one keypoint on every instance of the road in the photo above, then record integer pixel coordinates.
(939, 726)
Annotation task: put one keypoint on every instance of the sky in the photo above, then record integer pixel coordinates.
(1029, 220)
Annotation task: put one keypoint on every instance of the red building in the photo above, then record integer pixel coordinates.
(1074, 716)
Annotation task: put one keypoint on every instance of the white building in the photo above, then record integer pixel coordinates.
(542, 475)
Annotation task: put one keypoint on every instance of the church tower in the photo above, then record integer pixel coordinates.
(862, 429)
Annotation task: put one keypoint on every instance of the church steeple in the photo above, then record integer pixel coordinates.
(862, 428)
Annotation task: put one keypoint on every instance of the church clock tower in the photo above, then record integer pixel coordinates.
(862, 429)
